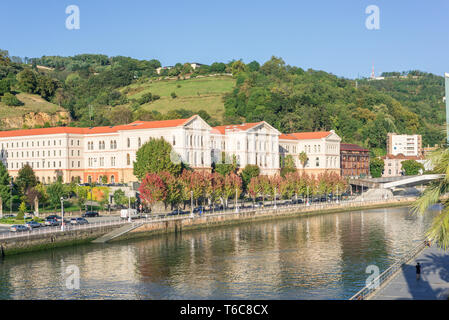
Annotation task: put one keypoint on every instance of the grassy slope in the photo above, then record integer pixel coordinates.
(33, 103)
(193, 94)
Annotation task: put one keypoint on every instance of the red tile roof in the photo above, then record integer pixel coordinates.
(305, 135)
(137, 125)
(351, 147)
(402, 157)
(240, 127)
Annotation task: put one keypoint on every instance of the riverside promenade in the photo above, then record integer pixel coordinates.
(434, 282)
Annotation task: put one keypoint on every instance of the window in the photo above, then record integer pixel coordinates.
(129, 143)
(317, 161)
(139, 142)
(128, 159)
(113, 161)
(174, 140)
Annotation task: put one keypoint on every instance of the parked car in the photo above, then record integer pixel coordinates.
(18, 228)
(198, 209)
(90, 214)
(33, 224)
(8, 216)
(258, 205)
(54, 217)
(51, 222)
(176, 212)
(78, 221)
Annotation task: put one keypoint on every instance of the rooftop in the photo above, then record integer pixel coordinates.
(96, 130)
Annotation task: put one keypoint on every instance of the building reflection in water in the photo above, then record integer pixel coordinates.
(322, 257)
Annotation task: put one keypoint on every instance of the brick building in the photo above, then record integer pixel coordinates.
(354, 160)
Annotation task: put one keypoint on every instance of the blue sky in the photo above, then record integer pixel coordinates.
(326, 35)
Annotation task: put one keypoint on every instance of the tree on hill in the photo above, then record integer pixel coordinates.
(155, 156)
(11, 100)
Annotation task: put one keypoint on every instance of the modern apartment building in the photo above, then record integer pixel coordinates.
(408, 145)
(322, 149)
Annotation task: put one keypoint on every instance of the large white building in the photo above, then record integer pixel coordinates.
(408, 145)
(89, 154)
(322, 150)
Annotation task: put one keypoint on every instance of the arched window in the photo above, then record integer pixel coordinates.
(140, 142)
(128, 159)
(129, 142)
(112, 179)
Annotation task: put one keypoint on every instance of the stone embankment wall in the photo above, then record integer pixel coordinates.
(35, 242)
(184, 223)
(176, 224)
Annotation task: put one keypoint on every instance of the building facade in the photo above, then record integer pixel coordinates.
(250, 143)
(354, 161)
(321, 148)
(393, 164)
(408, 145)
(91, 154)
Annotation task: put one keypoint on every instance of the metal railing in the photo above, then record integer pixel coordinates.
(269, 208)
(381, 280)
(58, 229)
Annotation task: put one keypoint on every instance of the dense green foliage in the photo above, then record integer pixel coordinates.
(155, 156)
(376, 167)
(90, 87)
(294, 100)
(412, 167)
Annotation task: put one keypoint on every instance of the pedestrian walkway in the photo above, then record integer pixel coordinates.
(434, 282)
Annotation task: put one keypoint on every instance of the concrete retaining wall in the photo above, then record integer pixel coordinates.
(46, 241)
(209, 221)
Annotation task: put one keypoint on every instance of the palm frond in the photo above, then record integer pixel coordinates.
(439, 231)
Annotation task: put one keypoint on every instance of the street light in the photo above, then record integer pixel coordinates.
(275, 193)
(62, 213)
(236, 204)
(10, 198)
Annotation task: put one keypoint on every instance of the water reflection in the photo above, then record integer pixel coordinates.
(317, 257)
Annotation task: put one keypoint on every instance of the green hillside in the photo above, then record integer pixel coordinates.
(202, 93)
(32, 103)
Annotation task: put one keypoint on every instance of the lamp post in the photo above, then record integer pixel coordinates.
(129, 208)
(62, 213)
(191, 203)
(308, 203)
(236, 204)
(275, 193)
(10, 197)
(337, 193)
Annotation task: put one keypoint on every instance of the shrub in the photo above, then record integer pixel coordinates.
(11, 100)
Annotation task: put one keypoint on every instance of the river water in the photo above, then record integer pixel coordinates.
(317, 257)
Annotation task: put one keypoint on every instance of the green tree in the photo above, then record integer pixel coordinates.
(27, 80)
(250, 171)
(26, 178)
(55, 191)
(155, 156)
(376, 167)
(5, 182)
(22, 210)
(288, 165)
(11, 100)
(412, 167)
(303, 159)
(120, 197)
